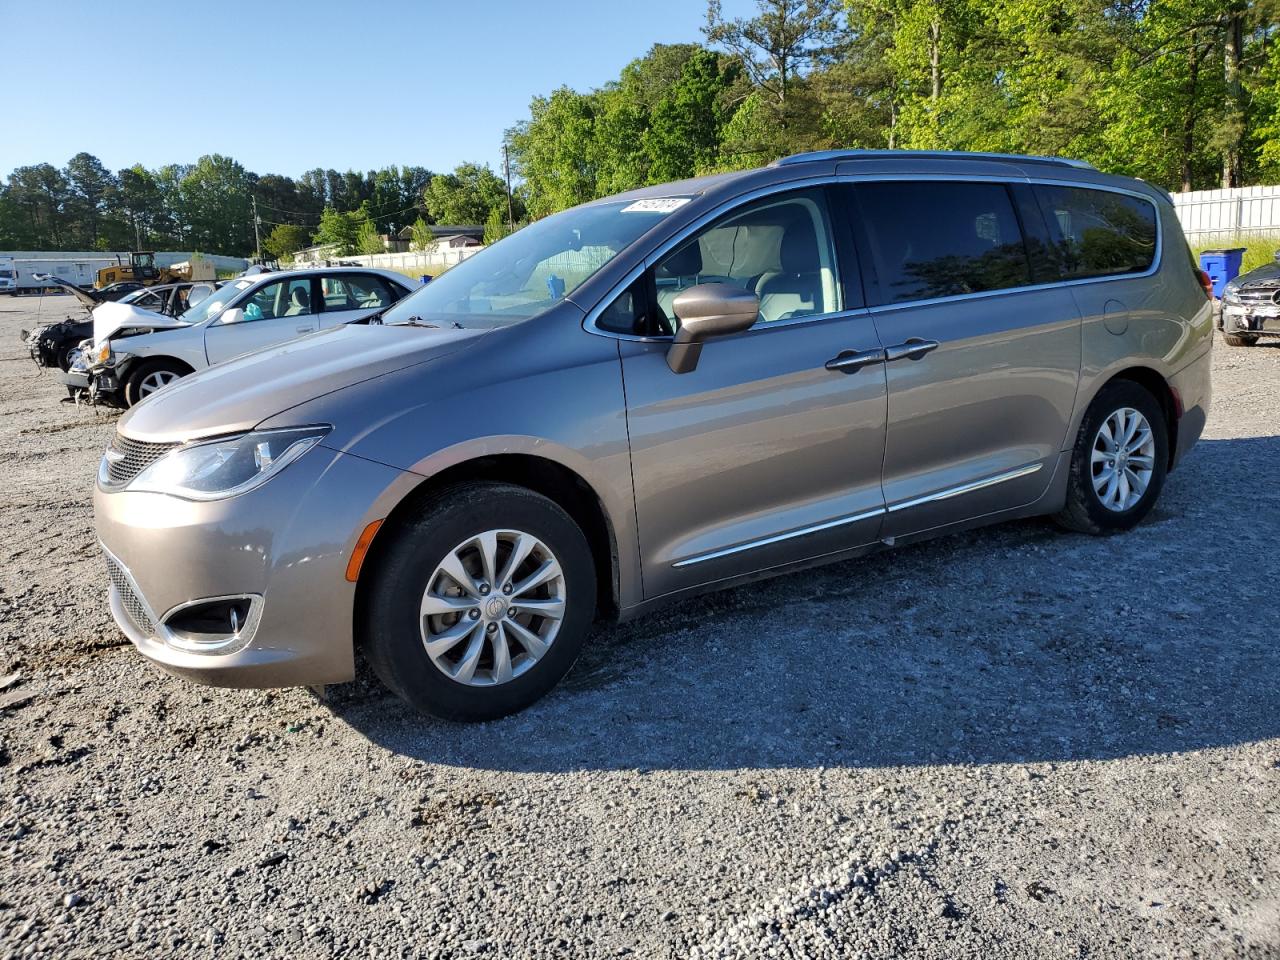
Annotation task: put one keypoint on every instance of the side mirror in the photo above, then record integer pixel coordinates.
(234, 315)
(708, 310)
(198, 292)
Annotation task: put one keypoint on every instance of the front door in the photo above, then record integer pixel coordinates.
(981, 374)
(761, 455)
(272, 314)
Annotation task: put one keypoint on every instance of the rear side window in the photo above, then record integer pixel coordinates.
(1098, 233)
(941, 238)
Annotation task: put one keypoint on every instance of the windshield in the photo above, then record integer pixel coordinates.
(212, 305)
(534, 268)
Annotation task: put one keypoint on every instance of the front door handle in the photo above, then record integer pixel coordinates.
(851, 361)
(306, 329)
(911, 349)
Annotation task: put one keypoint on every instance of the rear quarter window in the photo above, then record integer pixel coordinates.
(1098, 233)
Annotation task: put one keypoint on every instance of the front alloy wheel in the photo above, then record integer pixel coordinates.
(477, 600)
(493, 607)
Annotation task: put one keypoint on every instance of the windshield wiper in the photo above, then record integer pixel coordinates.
(417, 322)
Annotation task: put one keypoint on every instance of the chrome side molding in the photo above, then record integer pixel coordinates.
(946, 494)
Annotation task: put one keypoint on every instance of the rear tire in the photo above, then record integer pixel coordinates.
(1093, 505)
(150, 377)
(1239, 339)
(437, 661)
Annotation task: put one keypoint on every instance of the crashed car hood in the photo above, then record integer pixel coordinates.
(1268, 273)
(238, 395)
(89, 298)
(111, 318)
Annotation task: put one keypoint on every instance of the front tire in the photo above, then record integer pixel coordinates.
(1119, 461)
(149, 377)
(480, 601)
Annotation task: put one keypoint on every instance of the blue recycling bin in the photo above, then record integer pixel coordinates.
(1222, 266)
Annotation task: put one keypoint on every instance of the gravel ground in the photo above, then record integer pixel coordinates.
(1008, 743)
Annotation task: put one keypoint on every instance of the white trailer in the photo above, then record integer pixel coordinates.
(8, 282)
(81, 271)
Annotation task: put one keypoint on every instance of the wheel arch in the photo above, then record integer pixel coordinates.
(1155, 384)
(553, 480)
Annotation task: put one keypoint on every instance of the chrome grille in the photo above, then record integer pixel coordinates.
(1256, 296)
(126, 458)
(129, 599)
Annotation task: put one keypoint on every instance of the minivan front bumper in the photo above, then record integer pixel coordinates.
(282, 547)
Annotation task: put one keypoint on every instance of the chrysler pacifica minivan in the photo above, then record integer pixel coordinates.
(664, 392)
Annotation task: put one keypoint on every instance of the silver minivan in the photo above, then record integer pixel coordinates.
(669, 391)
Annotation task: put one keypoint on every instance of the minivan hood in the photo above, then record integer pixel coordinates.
(110, 318)
(238, 395)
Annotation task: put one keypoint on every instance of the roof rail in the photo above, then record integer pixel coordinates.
(925, 154)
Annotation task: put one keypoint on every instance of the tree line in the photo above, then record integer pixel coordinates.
(1182, 93)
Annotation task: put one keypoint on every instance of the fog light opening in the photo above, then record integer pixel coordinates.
(213, 623)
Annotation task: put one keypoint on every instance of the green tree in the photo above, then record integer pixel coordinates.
(469, 195)
(90, 185)
(216, 206)
(340, 229)
(286, 239)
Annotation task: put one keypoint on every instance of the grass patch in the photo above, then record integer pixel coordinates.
(1260, 248)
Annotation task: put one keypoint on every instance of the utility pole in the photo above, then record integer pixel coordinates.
(506, 168)
(257, 237)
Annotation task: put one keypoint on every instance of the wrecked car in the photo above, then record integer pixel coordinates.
(1251, 306)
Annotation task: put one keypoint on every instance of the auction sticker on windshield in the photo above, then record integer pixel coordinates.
(656, 205)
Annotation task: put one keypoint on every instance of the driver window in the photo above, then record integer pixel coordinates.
(284, 298)
(779, 248)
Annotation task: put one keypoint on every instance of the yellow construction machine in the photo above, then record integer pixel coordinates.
(142, 269)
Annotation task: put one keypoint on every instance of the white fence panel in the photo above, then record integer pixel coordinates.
(1208, 216)
(414, 263)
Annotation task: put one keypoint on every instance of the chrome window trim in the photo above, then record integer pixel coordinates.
(971, 487)
(589, 322)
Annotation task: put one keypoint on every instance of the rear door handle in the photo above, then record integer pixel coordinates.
(851, 361)
(911, 349)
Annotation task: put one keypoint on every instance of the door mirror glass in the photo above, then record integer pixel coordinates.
(708, 310)
(198, 292)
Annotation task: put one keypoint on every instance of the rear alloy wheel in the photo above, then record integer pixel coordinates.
(1119, 461)
(478, 602)
(149, 378)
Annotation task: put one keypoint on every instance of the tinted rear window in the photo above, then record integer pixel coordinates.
(1098, 233)
(941, 239)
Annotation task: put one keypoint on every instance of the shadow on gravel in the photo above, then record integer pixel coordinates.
(1010, 644)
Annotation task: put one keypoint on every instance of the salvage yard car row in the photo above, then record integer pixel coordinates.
(155, 335)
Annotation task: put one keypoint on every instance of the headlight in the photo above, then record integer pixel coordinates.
(1231, 293)
(215, 469)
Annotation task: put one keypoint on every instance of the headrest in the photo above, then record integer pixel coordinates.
(799, 253)
(685, 262)
(300, 297)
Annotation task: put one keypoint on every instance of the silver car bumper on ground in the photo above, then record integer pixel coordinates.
(282, 548)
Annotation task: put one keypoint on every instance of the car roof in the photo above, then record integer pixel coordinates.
(827, 162)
